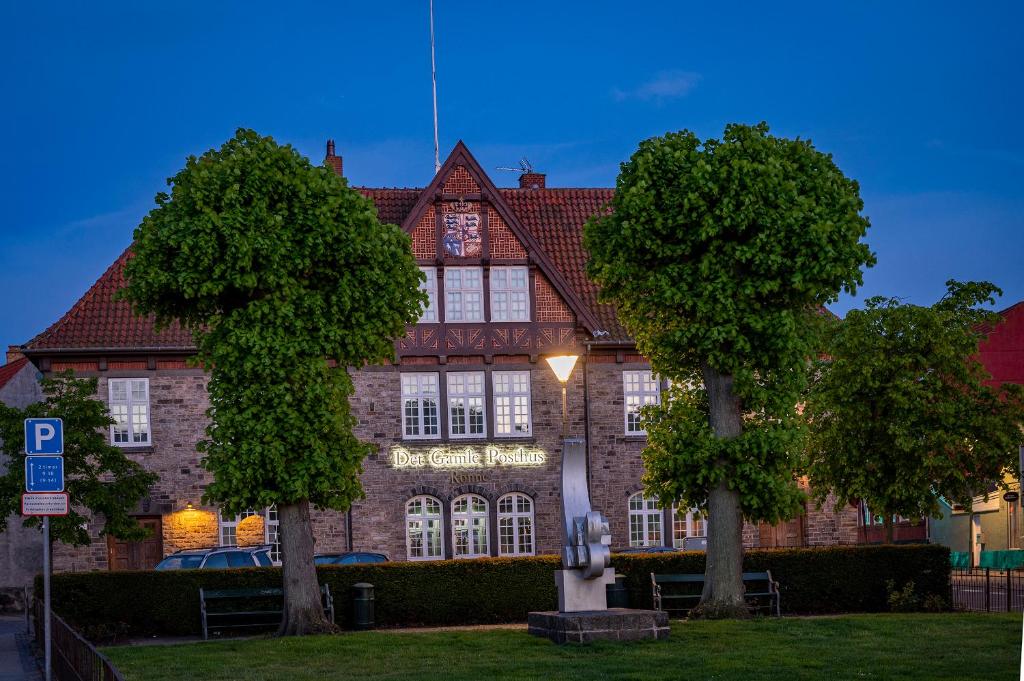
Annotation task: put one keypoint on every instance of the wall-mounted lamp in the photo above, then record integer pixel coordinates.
(189, 506)
(563, 365)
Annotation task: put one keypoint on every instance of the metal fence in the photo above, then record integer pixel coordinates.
(73, 658)
(987, 590)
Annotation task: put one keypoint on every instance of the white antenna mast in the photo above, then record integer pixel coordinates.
(433, 77)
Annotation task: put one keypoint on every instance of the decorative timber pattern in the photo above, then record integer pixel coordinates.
(486, 339)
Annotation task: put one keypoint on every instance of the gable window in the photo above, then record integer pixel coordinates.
(510, 294)
(129, 407)
(511, 403)
(640, 389)
(423, 529)
(644, 521)
(687, 523)
(469, 526)
(466, 404)
(429, 313)
(463, 294)
(515, 525)
(420, 416)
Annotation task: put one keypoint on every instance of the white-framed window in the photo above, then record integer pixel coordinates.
(423, 529)
(515, 525)
(512, 416)
(644, 521)
(429, 313)
(421, 416)
(639, 389)
(463, 294)
(466, 404)
(228, 530)
(510, 294)
(691, 523)
(469, 526)
(129, 407)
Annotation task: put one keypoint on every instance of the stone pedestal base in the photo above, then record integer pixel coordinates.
(614, 624)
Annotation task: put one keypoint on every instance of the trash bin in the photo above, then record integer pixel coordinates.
(362, 606)
(618, 596)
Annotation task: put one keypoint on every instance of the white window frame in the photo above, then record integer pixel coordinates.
(463, 302)
(415, 387)
(504, 292)
(136, 412)
(466, 390)
(693, 524)
(227, 530)
(518, 522)
(424, 518)
(642, 511)
(470, 520)
(429, 313)
(639, 389)
(511, 399)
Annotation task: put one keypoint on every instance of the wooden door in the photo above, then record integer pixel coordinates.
(789, 533)
(137, 555)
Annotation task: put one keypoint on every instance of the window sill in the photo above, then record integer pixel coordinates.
(138, 449)
(635, 437)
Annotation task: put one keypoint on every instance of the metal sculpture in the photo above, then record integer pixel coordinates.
(586, 555)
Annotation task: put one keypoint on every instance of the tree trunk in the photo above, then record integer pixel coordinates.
(303, 611)
(890, 531)
(723, 577)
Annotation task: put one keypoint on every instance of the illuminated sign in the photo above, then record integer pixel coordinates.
(469, 456)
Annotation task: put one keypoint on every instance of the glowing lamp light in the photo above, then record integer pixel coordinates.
(562, 365)
(189, 506)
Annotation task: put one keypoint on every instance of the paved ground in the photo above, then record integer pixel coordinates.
(16, 661)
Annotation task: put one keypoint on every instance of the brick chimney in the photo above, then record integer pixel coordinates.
(331, 159)
(14, 353)
(532, 181)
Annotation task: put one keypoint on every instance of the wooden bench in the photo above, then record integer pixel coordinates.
(258, 615)
(758, 587)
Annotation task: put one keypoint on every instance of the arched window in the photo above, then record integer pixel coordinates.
(423, 529)
(691, 523)
(469, 526)
(644, 521)
(515, 525)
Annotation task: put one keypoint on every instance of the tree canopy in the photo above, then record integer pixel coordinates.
(719, 255)
(899, 409)
(99, 478)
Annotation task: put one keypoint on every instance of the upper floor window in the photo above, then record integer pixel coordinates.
(510, 294)
(644, 521)
(129, 407)
(463, 294)
(469, 526)
(687, 523)
(420, 417)
(511, 403)
(429, 313)
(515, 525)
(640, 388)
(423, 525)
(466, 404)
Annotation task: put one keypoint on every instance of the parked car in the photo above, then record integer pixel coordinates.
(220, 557)
(349, 558)
(650, 549)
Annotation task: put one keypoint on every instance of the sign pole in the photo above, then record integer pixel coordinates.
(46, 597)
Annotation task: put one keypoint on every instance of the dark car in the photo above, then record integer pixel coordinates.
(349, 558)
(220, 557)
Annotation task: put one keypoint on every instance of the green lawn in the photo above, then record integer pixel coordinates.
(932, 647)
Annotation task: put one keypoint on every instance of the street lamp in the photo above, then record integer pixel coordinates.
(562, 365)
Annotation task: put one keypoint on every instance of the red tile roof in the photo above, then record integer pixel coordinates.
(555, 218)
(11, 369)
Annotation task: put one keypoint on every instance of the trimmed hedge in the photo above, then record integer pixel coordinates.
(491, 590)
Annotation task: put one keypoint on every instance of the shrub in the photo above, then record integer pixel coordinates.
(492, 590)
(903, 600)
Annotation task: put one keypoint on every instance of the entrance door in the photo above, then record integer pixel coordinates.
(789, 533)
(137, 555)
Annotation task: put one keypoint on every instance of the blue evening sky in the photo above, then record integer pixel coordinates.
(920, 101)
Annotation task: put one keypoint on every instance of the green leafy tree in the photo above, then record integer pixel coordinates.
(99, 479)
(899, 410)
(718, 255)
(280, 270)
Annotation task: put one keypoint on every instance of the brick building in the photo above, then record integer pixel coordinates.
(467, 419)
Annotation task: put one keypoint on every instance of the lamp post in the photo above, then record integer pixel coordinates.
(562, 365)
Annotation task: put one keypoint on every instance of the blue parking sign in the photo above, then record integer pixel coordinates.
(44, 473)
(44, 436)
